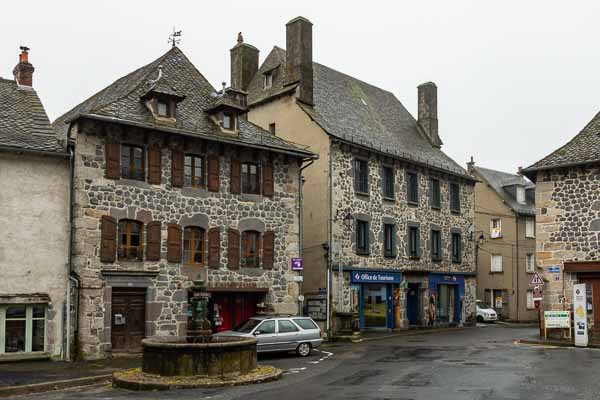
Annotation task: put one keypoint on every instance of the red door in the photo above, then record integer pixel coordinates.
(234, 308)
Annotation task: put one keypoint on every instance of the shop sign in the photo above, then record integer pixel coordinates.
(375, 277)
(297, 264)
(580, 315)
(554, 269)
(557, 319)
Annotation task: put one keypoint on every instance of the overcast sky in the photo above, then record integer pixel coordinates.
(516, 79)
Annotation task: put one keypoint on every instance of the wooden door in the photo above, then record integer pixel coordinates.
(128, 319)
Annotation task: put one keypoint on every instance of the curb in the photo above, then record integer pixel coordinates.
(418, 332)
(53, 385)
(556, 343)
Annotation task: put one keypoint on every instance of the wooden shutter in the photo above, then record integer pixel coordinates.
(177, 169)
(233, 248)
(113, 160)
(214, 247)
(268, 249)
(153, 241)
(268, 179)
(213, 173)
(235, 184)
(154, 171)
(108, 245)
(174, 243)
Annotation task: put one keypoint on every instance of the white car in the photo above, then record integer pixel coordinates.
(485, 313)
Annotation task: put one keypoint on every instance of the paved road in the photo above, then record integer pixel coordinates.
(477, 363)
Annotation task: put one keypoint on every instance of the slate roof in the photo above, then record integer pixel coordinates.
(584, 148)
(356, 112)
(24, 123)
(501, 182)
(120, 102)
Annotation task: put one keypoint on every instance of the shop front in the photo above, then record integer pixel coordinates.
(377, 295)
(228, 309)
(447, 293)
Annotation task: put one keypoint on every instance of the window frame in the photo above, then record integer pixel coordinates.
(521, 195)
(456, 246)
(361, 175)
(131, 164)
(412, 188)
(167, 114)
(492, 269)
(245, 177)
(292, 324)
(129, 223)
(245, 250)
(454, 192)
(529, 227)
(362, 232)
(268, 80)
(232, 121)
(492, 227)
(194, 231)
(435, 193)
(193, 177)
(530, 263)
(389, 235)
(388, 182)
(29, 328)
(414, 242)
(436, 243)
(272, 128)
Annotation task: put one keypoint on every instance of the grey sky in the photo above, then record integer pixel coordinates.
(516, 79)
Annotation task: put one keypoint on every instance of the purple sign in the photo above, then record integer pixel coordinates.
(297, 264)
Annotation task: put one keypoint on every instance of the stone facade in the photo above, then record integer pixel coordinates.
(167, 283)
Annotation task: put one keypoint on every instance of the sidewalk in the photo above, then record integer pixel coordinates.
(37, 376)
(379, 335)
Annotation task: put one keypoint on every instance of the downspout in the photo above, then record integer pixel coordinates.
(330, 244)
(517, 272)
(300, 222)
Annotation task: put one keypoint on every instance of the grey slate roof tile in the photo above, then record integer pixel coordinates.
(356, 112)
(24, 123)
(499, 181)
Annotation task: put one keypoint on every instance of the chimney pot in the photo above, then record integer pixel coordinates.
(471, 166)
(299, 64)
(23, 71)
(427, 112)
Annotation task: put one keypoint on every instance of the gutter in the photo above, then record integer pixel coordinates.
(533, 170)
(19, 150)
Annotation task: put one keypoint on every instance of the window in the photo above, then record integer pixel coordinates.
(530, 302)
(362, 237)
(361, 176)
(413, 242)
(434, 190)
(389, 240)
(193, 245)
(496, 228)
(272, 128)
(266, 327)
(529, 227)
(24, 328)
(130, 240)
(388, 182)
(521, 195)
(268, 80)
(305, 323)
(228, 121)
(162, 108)
(250, 178)
(496, 263)
(250, 246)
(193, 171)
(530, 263)
(412, 187)
(456, 248)
(436, 245)
(132, 162)
(286, 326)
(454, 197)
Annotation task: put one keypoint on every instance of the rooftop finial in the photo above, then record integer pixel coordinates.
(175, 38)
(224, 85)
(240, 38)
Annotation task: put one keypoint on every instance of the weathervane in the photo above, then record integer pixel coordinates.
(175, 37)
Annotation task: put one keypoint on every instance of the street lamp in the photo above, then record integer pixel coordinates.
(348, 221)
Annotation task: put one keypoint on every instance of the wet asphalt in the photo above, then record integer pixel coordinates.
(475, 363)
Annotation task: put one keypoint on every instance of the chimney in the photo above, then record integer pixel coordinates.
(299, 66)
(244, 64)
(471, 166)
(23, 71)
(427, 118)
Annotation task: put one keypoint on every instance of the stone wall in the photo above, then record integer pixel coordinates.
(166, 298)
(567, 227)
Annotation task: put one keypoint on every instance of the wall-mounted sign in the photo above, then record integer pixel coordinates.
(555, 269)
(580, 315)
(376, 277)
(297, 264)
(298, 278)
(557, 319)
(498, 302)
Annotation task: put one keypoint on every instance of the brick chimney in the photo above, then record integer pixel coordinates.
(244, 64)
(23, 71)
(299, 66)
(427, 114)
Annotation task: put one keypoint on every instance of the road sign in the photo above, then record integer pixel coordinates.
(536, 280)
(537, 293)
(297, 264)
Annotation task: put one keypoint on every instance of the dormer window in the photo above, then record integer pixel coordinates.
(268, 80)
(162, 109)
(229, 121)
(520, 195)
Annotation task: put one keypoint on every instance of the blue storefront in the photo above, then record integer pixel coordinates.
(448, 290)
(377, 293)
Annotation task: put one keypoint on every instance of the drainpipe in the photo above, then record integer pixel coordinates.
(73, 279)
(330, 245)
(300, 222)
(517, 273)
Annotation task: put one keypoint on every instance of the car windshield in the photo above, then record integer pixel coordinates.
(482, 305)
(247, 326)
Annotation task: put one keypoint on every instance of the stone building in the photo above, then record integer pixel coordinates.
(173, 187)
(34, 221)
(568, 220)
(505, 230)
(387, 216)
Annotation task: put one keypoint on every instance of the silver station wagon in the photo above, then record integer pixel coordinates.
(280, 333)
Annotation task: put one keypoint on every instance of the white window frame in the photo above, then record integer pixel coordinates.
(521, 195)
(495, 232)
(529, 227)
(493, 265)
(28, 328)
(530, 302)
(530, 263)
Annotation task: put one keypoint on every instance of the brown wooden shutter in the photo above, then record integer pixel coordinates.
(214, 247)
(213, 173)
(108, 245)
(177, 169)
(233, 248)
(268, 249)
(113, 160)
(154, 171)
(153, 241)
(174, 243)
(236, 177)
(268, 179)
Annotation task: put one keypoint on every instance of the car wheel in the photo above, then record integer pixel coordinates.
(479, 318)
(303, 349)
